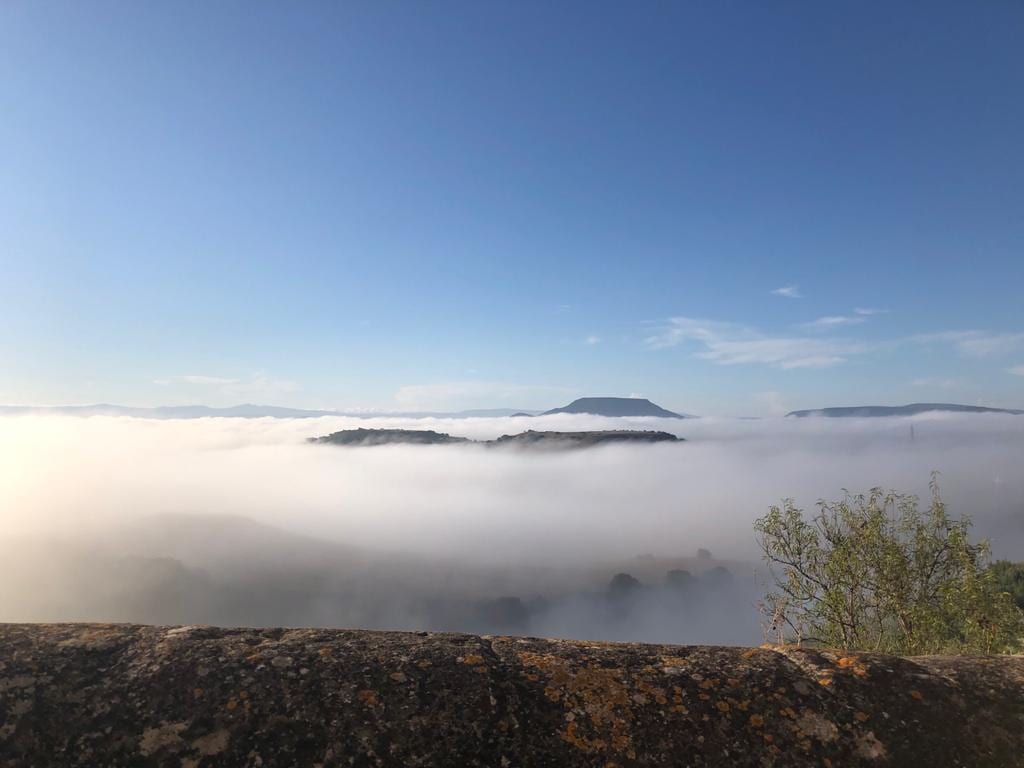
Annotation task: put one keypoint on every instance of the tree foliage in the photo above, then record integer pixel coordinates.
(878, 572)
(1010, 578)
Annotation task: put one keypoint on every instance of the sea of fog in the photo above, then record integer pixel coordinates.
(240, 521)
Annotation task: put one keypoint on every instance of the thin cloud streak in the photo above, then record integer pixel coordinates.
(732, 344)
(833, 321)
(727, 343)
(211, 380)
(789, 292)
(976, 343)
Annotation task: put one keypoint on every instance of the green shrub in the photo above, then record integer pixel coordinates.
(876, 572)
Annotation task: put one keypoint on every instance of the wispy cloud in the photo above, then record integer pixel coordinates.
(789, 292)
(592, 340)
(210, 380)
(868, 311)
(834, 321)
(1017, 370)
(732, 344)
(771, 402)
(976, 343)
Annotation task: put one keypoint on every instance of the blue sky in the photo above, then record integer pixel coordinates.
(446, 205)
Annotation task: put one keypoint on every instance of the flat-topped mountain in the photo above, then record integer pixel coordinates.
(615, 406)
(529, 439)
(899, 410)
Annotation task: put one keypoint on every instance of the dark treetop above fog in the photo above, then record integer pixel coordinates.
(530, 438)
(100, 694)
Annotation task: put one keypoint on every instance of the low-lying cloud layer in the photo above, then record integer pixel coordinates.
(240, 521)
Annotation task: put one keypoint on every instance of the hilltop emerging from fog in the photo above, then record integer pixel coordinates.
(530, 439)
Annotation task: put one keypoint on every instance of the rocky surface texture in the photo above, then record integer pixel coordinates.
(120, 695)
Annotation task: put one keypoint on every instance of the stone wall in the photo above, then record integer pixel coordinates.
(118, 695)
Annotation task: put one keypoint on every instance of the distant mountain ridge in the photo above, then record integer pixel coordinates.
(898, 410)
(615, 406)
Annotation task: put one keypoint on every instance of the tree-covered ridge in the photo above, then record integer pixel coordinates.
(529, 439)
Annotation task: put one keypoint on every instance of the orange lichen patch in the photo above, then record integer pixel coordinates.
(582, 743)
(709, 683)
(324, 652)
(369, 698)
(656, 693)
(854, 665)
(748, 653)
(197, 692)
(825, 681)
(703, 696)
(254, 658)
(787, 712)
(532, 677)
(768, 737)
(232, 704)
(480, 670)
(756, 720)
(424, 664)
(860, 717)
(916, 694)
(473, 658)
(722, 706)
(598, 696)
(674, 661)
(398, 677)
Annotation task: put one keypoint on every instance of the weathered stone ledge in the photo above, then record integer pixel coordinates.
(120, 695)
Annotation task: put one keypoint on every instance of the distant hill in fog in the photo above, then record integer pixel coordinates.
(615, 406)
(899, 410)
